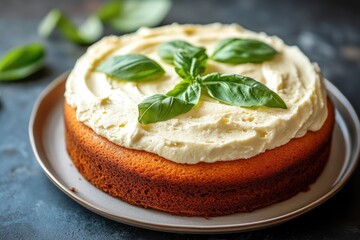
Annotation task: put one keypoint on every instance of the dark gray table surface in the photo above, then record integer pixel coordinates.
(31, 207)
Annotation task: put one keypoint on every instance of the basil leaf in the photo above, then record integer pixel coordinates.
(160, 107)
(49, 23)
(21, 62)
(187, 91)
(131, 67)
(239, 90)
(110, 10)
(189, 65)
(239, 50)
(139, 13)
(167, 50)
(87, 33)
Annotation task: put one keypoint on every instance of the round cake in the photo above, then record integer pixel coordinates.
(218, 154)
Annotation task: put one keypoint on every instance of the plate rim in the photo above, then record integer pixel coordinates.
(354, 161)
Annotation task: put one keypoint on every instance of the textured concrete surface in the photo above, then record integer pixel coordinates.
(31, 207)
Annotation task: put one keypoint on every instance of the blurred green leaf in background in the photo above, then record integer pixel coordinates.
(121, 15)
(90, 31)
(21, 62)
(140, 13)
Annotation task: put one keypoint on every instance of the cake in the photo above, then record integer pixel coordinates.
(214, 158)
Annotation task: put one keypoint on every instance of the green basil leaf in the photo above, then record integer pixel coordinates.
(188, 91)
(49, 23)
(21, 62)
(139, 13)
(131, 67)
(160, 107)
(110, 10)
(189, 65)
(239, 50)
(167, 50)
(87, 33)
(239, 90)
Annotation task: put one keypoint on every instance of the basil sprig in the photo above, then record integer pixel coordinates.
(131, 67)
(21, 62)
(183, 97)
(190, 63)
(240, 50)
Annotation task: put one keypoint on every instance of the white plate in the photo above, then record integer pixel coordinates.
(46, 131)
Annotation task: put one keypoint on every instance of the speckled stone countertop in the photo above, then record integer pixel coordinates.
(31, 207)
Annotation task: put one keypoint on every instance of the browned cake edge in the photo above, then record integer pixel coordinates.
(205, 189)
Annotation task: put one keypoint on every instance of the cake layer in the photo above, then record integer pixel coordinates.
(203, 189)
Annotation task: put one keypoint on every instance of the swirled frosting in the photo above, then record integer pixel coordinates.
(212, 131)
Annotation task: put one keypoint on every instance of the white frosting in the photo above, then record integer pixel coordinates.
(212, 131)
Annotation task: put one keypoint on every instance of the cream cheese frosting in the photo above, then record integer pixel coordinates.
(212, 131)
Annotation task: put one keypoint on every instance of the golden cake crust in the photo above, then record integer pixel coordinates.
(204, 189)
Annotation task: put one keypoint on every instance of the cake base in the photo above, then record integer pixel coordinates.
(204, 189)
